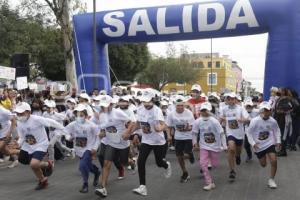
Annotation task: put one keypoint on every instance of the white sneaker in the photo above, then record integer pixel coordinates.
(14, 164)
(168, 172)
(172, 148)
(6, 158)
(101, 192)
(209, 187)
(272, 184)
(142, 190)
(1, 160)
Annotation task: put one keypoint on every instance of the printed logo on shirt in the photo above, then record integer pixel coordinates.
(30, 139)
(180, 127)
(263, 135)
(81, 142)
(209, 138)
(233, 124)
(146, 128)
(111, 129)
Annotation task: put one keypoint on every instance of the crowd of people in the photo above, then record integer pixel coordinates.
(123, 129)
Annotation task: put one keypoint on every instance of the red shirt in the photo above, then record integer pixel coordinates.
(195, 106)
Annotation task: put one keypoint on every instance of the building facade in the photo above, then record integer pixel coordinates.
(215, 74)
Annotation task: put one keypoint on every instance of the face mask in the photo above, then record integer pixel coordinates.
(22, 118)
(80, 120)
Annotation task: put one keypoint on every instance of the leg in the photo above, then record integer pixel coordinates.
(273, 160)
(179, 148)
(247, 147)
(144, 153)
(84, 166)
(204, 159)
(36, 168)
(158, 153)
(231, 154)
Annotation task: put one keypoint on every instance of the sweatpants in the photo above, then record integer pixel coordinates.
(145, 150)
(207, 156)
(86, 166)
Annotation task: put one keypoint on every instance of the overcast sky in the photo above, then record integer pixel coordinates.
(248, 51)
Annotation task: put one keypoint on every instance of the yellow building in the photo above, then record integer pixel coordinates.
(217, 75)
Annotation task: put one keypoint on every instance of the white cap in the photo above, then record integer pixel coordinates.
(265, 105)
(106, 100)
(97, 98)
(164, 103)
(239, 97)
(115, 99)
(179, 99)
(80, 107)
(274, 89)
(50, 103)
(147, 96)
(103, 92)
(206, 106)
(248, 102)
(125, 98)
(22, 107)
(231, 94)
(84, 96)
(196, 87)
(72, 100)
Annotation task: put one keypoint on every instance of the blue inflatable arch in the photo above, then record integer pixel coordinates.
(204, 19)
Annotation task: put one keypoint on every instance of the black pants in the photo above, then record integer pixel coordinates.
(247, 147)
(145, 150)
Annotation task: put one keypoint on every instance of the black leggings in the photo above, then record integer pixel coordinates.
(247, 147)
(145, 150)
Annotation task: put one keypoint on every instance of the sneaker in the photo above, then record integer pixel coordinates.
(73, 155)
(248, 159)
(232, 175)
(209, 166)
(184, 178)
(121, 173)
(168, 172)
(142, 190)
(172, 148)
(13, 164)
(192, 158)
(102, 192)
(96, 179)
(42, 185)
(6, 158)
(238, 160)
(209, 187)
(272, 184)
(84, 189)
(1, 160)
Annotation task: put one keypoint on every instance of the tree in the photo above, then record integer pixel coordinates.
(127, 60)
(162, 71)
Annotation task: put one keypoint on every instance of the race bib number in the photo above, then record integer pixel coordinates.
(111, 129)
(263, 135)
(81, 142)
(233, 124)
(146, 128)
(209, 138)
(112, 134)
(180, 127)
(30, 139)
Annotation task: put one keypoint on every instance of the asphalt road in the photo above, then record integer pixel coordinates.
(251, 183)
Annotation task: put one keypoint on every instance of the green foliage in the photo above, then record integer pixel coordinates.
(127, 60)
(28, 35)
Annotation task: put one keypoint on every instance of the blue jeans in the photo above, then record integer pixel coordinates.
(86, 166)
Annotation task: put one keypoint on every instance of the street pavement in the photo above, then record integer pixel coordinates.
(251, 183)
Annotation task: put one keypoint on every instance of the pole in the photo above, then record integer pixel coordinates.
(95, 68)
(211, 69)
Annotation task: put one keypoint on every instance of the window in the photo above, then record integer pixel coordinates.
(209, 64)
(198, 65)
(212, 79)
(201, 65)
(218, 64)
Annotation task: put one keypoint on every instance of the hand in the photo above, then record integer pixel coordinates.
(126, 136)
(225, 148)
(195, 147)
(158, 128)
(94, 154)
(169, 139)
(278, 147)
(102, 134)
(255, 147)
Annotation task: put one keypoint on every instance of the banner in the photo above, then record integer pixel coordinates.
(22, 83)
(8, 73)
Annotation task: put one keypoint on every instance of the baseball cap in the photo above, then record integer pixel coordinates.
(80, 107)
(106, 100)
(22, 107)
(72, 100)
(84, 96)
(179, 100)
(50, 103)
(249, 102)
(265, 105)
(125, 98)
(206, 106)
(164, 103)
(147, 96)
(196, 87)
(232, 95)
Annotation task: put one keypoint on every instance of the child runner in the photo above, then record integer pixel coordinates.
(264, 136)
(212, 142)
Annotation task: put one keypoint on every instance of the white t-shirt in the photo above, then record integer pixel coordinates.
(252, 115)
(115, 125)
(58, 117)
(265, 133)
(147, 120)
(70, 115)
(85, 136)
(232, 115)
(5, 123)
(211, 133)
(32, 133)
(179, 121)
